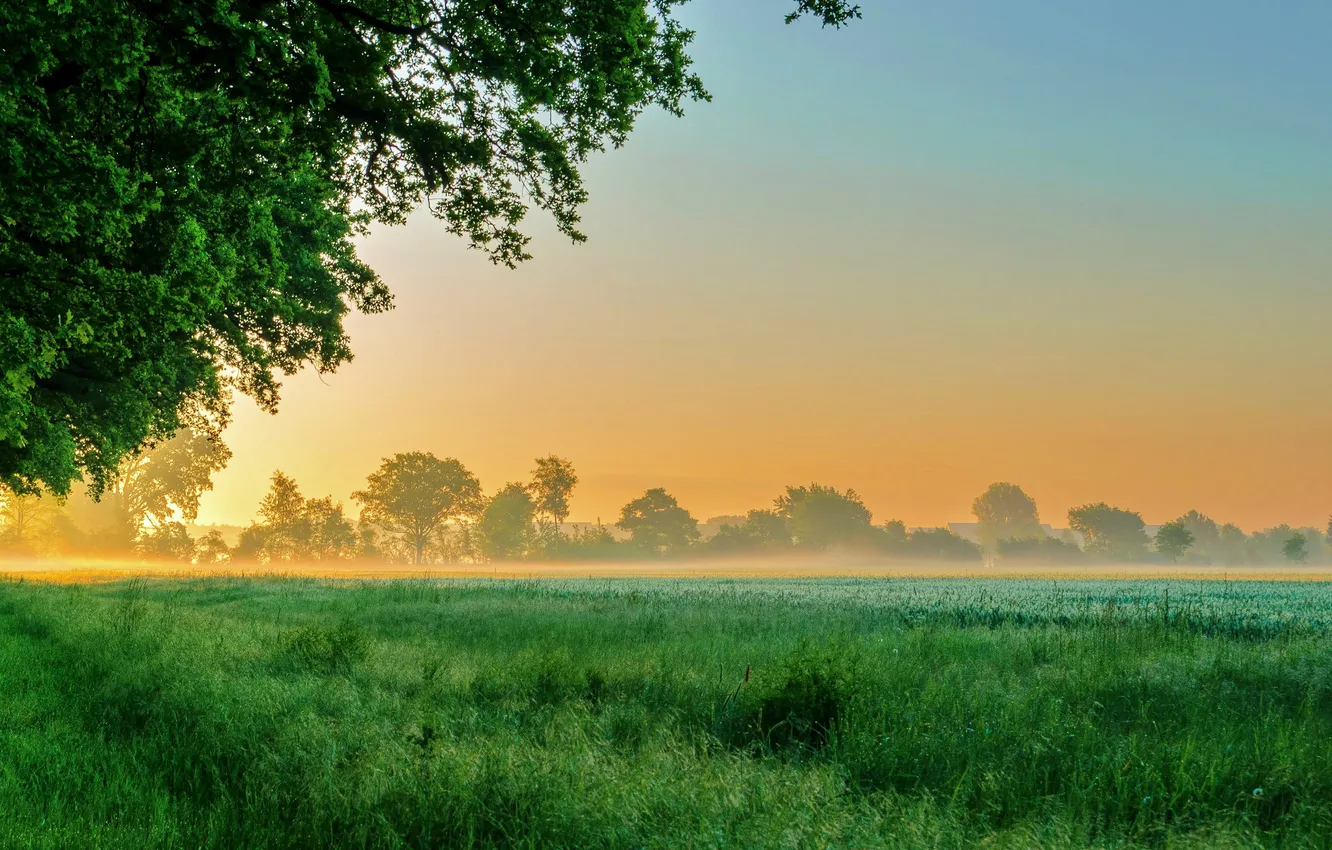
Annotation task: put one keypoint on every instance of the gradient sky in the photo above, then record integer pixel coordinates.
(1083, 247)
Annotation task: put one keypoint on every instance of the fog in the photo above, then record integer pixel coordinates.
(81, 570)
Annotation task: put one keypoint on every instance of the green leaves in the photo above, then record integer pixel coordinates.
(178, 180)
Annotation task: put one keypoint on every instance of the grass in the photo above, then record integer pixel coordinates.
(654, 713)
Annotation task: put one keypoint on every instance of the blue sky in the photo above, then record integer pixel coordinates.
(1080, 247)
(1223, 100)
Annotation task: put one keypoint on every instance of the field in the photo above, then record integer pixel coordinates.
(648, 712)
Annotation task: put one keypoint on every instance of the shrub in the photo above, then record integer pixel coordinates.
(807, 700)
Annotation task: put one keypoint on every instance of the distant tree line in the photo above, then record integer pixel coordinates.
(1010, 530)
(421, 509)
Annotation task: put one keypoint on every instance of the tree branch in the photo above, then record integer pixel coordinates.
(341, 10)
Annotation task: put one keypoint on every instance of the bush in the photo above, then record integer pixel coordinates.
(1045, 550)
(806, 701)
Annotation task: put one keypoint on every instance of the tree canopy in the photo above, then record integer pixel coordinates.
(657, 524)
(759, 530)
(1109, 531)
(1173, 539)
(293, 528)
(553, 482)
(820, 516)
(180, 184)
(505, 527)
(413, 494)
(1005, 512)
(1294, 548)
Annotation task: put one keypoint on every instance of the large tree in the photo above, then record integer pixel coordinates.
(149, 489)
(169, 479)
(505, 527)
(181, 182)
(1294, 548)
(414, 494)
(1173, 539)
(553, 482)
(819, 516)
(25, 519)
(1206, 533)
(1109, 531)
(294, 528)
(657, 524)
(1005, 512)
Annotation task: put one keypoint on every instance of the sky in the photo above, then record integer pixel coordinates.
(1082, 247)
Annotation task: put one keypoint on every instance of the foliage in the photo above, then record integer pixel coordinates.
(170, 541)
(553, 482)
(211, 549)
(809, 695)
(1295, 548)
(1231, 544)
(1173, 539)
(820, 517)
(1206, 533)
(181, 184)
(1037, 550)
(1110, 532)
(505, 527)
(154, 487)
(413, 495)
(938, 544)
(657, 524)
(167, 480)
(893, 535)
(1006, 512)
(332, 536)
(26, 521)
(761, 531)
(582, 543)
(294, 528)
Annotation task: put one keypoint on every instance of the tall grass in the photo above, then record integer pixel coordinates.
(866, 713)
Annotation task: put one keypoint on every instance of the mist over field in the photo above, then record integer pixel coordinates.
(420, 514)
(655, 424)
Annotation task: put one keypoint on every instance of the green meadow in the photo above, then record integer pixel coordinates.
(253, 712)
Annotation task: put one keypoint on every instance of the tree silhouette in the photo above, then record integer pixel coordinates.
(1173, 539)
(169, 541)
(414, 494)
(820, 516)
(657, 524)
(505, 527)
(1206, 533)
(212, 549)
(553, 482)
(1232, 544)
(153, 486)
(1295, 548)
(293, 528)
(1005, 512)
(941, 544)
(1110, 532)
(760, 530)
(25, 519)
